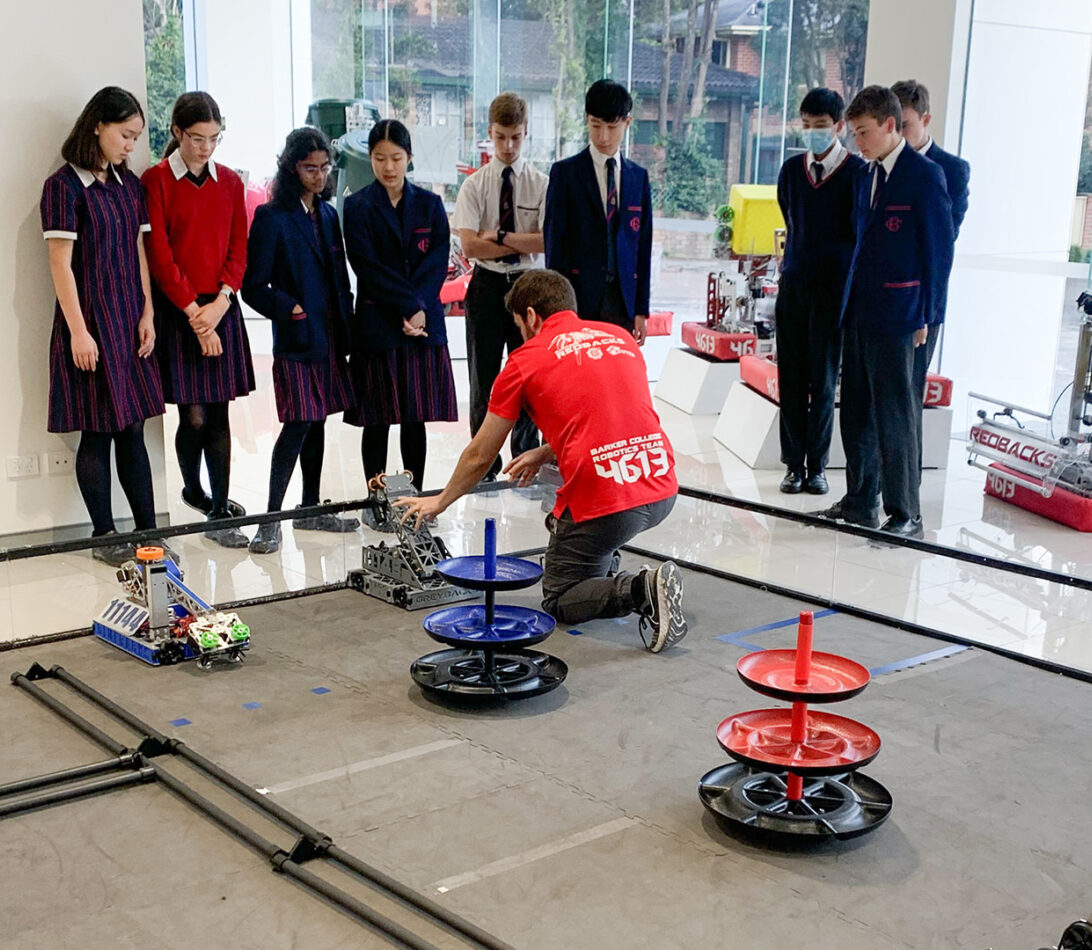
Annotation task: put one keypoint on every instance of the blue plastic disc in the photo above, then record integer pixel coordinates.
(513, 573)
(465, 626)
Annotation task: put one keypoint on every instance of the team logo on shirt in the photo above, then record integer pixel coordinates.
(629, 460)
(635, 224)
(422, 245)
(893, 223)
(594, 344)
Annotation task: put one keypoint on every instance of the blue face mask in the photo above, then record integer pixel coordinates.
(818, 140)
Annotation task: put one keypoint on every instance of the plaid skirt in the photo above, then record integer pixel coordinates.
(309, 392)
(411, 383)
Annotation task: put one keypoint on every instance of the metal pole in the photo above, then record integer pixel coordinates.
(785, 97)
(606, 33)
(387, 56)
(498, 83)
(629, 61)
(761, 91)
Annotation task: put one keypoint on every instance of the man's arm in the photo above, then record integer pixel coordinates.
(473, 464)
(483, 245)
(554, 224)
(937, 242)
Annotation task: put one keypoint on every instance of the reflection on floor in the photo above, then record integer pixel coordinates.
(63, 592)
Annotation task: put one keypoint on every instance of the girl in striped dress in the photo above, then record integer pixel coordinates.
(398, 241)
(197, 255)
(102, 383)
(296, 276)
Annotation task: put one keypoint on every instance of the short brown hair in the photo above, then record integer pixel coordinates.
(547, 291)
(912, 95)
(106, 107)
(508, 109)
(878, 102)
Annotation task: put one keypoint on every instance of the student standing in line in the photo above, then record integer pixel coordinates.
(398, 241)
(914, 100)
(296, 276)
(598, 225)
(901, 259)
(197, 256)
(815, 191)
(102, 383)
(498, 217)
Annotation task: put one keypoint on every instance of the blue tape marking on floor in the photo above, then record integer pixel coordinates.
(252, 705)
(573, 632)
(899, 665)
(181, 722)
(736, 639)
(319, 690)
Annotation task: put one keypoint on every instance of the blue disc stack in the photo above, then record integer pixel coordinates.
(488, 657)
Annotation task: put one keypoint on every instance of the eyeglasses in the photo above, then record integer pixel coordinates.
(315, 169)
(202, 140)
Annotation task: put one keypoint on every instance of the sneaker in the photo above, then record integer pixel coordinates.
(204, 504)
(225, 537)
(327, 522)
(663, 607)
(268, 538)
(615, 564)
(169, 553)
(114, 554)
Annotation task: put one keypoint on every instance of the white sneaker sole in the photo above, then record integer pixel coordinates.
(669, 592)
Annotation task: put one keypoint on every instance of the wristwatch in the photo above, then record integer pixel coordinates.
(227, 292)
(502, 236)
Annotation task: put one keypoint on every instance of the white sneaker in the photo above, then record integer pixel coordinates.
(663, 613)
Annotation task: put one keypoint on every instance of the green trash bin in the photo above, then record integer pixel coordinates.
(337, 116)
(354, 167)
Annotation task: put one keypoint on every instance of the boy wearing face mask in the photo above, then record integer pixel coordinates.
(815, 192)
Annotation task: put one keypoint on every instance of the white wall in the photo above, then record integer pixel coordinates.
(47, 73)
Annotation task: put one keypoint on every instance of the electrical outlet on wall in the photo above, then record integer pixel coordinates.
(22, 466)
(59, 463)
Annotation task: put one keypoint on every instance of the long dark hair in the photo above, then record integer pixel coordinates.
(390, 130)
(286, 189)
(189, 109)
(107, 106)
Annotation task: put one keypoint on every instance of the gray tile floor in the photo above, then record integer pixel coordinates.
(570, 820)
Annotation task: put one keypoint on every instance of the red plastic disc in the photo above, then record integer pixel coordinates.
(834, 744)
(832, 678)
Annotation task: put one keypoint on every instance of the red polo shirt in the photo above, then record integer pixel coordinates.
(585, 386)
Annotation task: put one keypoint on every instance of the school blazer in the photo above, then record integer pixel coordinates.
(957, 177)
(903, 252)
(575, 233)
(285, 266)
(400, 265)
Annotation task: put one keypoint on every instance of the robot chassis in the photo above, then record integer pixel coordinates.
(1046, 475)
(162, 622)
(403, 574)
(739, 309)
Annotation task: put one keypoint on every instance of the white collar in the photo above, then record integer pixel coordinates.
(516, 166)
(87, 178)
(601, 160)
(833, 158)
(892, 157)
(178, 165)
(924, 150)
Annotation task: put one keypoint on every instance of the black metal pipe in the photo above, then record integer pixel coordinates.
(448, 918)
(353, 906)
(69, 775)
(926, 547)
(107, 705)
(864, 614)
(94, 733)
(58, 796)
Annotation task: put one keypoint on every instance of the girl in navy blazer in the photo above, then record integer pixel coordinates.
(398, 241)
(296, 276)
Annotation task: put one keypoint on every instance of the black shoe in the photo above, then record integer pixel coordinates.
(326, 522)
(792, 483)
(268, 538)
(204, 504)
(903, 527)
(816, 484)
(114, 554)
(837, 513)
(225, 537)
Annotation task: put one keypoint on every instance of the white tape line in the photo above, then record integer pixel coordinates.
(363, 766)
(535, 854)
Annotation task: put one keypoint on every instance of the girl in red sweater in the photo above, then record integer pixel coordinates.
(197, 256)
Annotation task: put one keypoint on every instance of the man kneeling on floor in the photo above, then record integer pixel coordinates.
(584, 385)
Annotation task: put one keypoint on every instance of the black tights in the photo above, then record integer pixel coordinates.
(204, 428)
(373, 447)
(134, 473)
(305, 441)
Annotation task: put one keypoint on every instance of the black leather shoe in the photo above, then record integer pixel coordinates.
(792, 483)
(903, 527)
(816, 484)
(837, 513)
